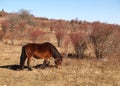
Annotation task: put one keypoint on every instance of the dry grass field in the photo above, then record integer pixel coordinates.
(74, 72)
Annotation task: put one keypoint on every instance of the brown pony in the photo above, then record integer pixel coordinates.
(39, 51)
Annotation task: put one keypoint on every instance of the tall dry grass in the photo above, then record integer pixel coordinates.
(74, 72)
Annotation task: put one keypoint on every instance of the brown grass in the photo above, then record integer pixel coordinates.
(74, 72)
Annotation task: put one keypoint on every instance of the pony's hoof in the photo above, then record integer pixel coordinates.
(42, 67)
(20, 68)
(47, 65)
(30, 69)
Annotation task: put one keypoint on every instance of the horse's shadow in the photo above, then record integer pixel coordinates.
(12, 67)
(17, 67)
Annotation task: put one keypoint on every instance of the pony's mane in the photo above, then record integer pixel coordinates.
(55, 52)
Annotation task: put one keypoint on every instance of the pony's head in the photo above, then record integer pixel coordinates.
(58, 62)
(56, 55)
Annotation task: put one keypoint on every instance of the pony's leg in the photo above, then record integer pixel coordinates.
(48, 63)
(44, 64)
(28, 63)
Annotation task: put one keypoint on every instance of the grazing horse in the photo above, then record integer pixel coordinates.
(39, 51)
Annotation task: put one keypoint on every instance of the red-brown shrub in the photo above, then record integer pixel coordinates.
(103, 38)
(35, 34)
(4, 25)
(60, 32)
(79, 43)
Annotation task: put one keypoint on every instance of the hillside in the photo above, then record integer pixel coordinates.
(23, 27)
(90, 51)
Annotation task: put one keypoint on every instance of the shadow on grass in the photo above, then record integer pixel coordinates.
(12, 67)
(17, 67)
(47, 66)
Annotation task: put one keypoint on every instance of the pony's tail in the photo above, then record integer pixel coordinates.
(22, 58)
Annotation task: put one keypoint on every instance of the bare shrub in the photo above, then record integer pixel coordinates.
(113, 42)
(13, 19)
(66, 46)
(35, 34)
(102, 38)
(17, 22)
(1, 35)
(60, 32)
(26, 17)
(5, 26)
(52, 26)
(79, 43)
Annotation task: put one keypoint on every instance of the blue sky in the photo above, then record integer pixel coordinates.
(90, 10)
